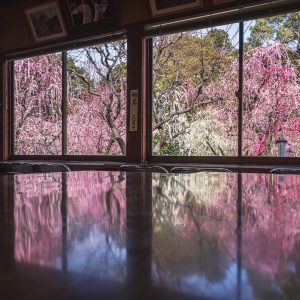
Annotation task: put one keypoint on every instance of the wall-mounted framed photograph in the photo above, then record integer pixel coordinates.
(46, 22)
(168, 6)
(85, 12)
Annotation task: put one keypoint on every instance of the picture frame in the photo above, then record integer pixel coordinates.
(159, 7)
(89, 12)
(46, 22)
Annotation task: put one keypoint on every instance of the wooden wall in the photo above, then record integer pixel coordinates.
(15, 35)
(15, 32)
(140, 13)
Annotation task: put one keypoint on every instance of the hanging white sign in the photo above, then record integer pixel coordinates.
(134, 99)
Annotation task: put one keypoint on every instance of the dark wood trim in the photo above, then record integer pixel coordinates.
(68, 158)
(7, 230)
(4, 108)
(225, 15)
(144, 106)
(70, 45)
(149, 97)
(226, 160)
(136, 80)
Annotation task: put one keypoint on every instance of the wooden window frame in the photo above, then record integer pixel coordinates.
(10, 96)
(239, 158)
(138, 144)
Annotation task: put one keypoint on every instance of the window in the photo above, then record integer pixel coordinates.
(271, 98)
(209, 101)
(37, 105)
(90, 83)
(192, 116)
(97, 100)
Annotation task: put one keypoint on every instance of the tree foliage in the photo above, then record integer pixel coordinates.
(282, 28)
(195, 103)
(37, 105)
(184, 64)
(96, 102)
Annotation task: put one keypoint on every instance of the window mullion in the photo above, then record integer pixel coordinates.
(64, 107)
(240, 91)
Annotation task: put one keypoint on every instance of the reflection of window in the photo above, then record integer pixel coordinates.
(214, 233)
(97, 224)
(196, 78)
(95, 101)
(38, 220)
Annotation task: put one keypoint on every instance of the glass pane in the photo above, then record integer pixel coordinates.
(97, 99)
(195, 79)
(271, 87)
(37, 105)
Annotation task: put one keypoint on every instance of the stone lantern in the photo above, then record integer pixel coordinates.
(281, 147)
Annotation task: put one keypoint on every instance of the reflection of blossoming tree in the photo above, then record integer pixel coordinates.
(270, 221)
(184, 208)
(97, 198)
(96, 222)
(37, 217)
(95, 203)
(198, 222)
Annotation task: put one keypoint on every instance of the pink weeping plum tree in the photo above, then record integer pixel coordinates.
(96, 116)
(271, 101)
(97, 110)
(97, 123)
(37, 105)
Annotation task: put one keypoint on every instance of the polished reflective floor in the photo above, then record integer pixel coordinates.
(112, 235)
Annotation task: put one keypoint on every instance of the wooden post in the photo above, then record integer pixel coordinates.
(4, 124)
(136, 85)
